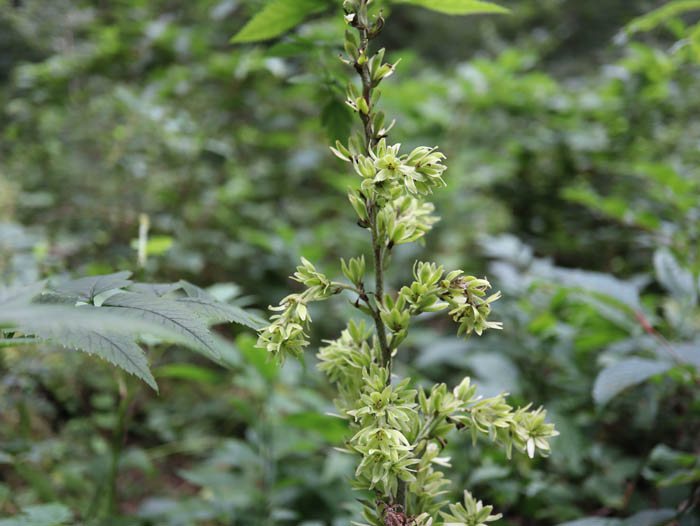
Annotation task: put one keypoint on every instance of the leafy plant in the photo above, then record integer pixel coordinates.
(398, 431)
(107, 315)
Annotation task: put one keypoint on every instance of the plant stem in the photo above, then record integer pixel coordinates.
(117, 444)
(378, 242)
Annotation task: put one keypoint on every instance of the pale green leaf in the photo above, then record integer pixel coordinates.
(182, 325)
(42, 515)
(593, 521)
(277, 17)
(650, 517)
(20, 295)
(458, 7)
(118, 349)
(215, 311)
(674, 278)
(623, 374)
(85, 289)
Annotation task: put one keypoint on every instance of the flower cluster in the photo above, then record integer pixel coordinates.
(286, 336)
(399, 432)
(384, 414)
(388, 175)
(472, 513)
(345, 361)
(433, 291)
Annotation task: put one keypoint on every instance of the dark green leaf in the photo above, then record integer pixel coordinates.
(215, 311)
(458, 7)
(337, 120)
(85, 289)
(182, 325)
(277, 17)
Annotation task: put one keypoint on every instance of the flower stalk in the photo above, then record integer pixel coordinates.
(398, 431)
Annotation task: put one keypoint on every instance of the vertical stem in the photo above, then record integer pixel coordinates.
(117, 445)
(378, 243)
(379, 293)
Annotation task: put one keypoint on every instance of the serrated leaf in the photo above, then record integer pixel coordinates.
(674, 278)
(20, 295)
(215, 311)
(154, 289)
(277, 17)
(42, 515)
(15, 342)
(182, 325)
(85, 289)
(458, 7)
(118, 349)
(623, 374)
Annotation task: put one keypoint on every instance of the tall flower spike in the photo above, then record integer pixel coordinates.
(397, 432)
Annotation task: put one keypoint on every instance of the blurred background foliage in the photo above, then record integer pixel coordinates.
(574, 182)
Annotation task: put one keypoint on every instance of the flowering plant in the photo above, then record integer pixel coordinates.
(398, 431)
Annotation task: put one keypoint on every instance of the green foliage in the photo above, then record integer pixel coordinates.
(561, 126)
(458, 7)
(277, 17)
(44, 515)
(107, 315)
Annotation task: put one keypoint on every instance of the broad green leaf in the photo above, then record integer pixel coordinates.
(277, 17)
(154, 289)
(20, 295)
(650, 518)
(331, 428)
(623, 374)
(688, 353)
(42, 515)
(215, 311)
(458, 7)
(182, 325)
(85, 289)
(601, 284)
(674, 278)
(118, 349)
(337, 120)
(593, 521)
(651, 20)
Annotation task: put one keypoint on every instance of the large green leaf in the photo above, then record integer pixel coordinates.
(458, 7)
(182, 324)
(119, 349)
(215, 311)
(42, 515)
(650, 517)
(277, 17)
(593, 521)
(651, 20)
(623, 374)
(112, 330)
(674, 278)
(85, 289)
(89, 329)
